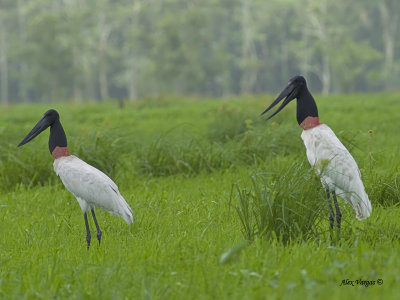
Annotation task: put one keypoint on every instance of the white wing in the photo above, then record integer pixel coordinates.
(91, 187)
(337, 168)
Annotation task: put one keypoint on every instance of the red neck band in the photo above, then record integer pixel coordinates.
(60, 151)
(310, 122)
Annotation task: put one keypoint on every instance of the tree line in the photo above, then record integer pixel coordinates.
(102, 49)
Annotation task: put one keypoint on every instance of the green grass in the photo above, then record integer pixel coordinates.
(282, 206)
(225, 204)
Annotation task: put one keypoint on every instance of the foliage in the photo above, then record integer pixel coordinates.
(84, 50)
(187, 239)
(190, 157)
(285, 207)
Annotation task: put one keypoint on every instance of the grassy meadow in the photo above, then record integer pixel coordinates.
(225, 204)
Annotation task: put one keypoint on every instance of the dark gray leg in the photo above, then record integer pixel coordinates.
(97, 226)
(88, 235)
(330, 209)
(338, 212)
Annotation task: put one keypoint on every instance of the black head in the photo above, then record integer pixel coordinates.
(57, 136)
(296, 89)
(51, 115)
(291, 91)
(298, 80)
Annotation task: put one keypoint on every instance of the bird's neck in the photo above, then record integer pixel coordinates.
(310, 122)
(58, 141)
(60, 152)
(307, 112)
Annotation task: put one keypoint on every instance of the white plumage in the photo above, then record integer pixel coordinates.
(327, 155)
(338, 169)
(91, 187)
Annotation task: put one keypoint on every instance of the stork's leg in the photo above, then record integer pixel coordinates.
(88, 235)
(97, 226)
(338, 212)
(330, 209)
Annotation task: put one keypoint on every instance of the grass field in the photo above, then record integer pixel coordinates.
(225, 204)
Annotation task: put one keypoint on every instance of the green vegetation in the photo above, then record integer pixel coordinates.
(119, 49)
(225, 204)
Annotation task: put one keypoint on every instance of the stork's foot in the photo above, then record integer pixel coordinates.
(338, 212)
(99, 233)
(88, 235)
(338, 219)
(331, 220)
(88, 238)
(97, 226)
(331, 214)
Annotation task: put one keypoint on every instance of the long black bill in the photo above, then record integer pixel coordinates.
(39, 127)
(289, 93)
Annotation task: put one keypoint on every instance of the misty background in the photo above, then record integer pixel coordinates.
(84, 50)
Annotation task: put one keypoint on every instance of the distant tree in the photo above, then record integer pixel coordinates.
(100, 49)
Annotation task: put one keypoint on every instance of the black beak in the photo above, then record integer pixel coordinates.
(39, 127)
(289, 93)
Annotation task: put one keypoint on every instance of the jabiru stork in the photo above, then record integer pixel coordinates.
(334, 164)
(91, 187)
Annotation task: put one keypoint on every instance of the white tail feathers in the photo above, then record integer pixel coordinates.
(361, 205)
(127, 216)
(125, 211)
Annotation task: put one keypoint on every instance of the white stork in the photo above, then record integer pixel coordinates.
(91, 187)
(333, 162)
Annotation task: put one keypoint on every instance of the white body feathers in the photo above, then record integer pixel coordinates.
(91, 187)
(338, 170)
